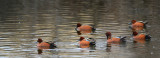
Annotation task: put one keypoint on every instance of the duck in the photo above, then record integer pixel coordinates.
(140, 25)
(45, 45)
(84, 28)
(114, 40)
(86, 43)
(141, 37)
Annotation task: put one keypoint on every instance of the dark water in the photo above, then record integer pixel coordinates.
(23, 21)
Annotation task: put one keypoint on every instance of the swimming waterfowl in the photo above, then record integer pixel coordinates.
(140, 25)
(138, 37)
(85, 43)
(84, 28)
(114, 40)
(45, 45)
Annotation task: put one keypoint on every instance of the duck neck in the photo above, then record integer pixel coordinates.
(135, 34)
(108, 37)
(39, 42)
(78, 25)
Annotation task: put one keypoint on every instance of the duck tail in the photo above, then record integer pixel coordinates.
(52, 45)
(147, 37)
(93, 29)
(76, 28)
(92, 41)
(123, 39)
(145, 23)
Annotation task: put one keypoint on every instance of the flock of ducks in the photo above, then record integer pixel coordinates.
(85, 43)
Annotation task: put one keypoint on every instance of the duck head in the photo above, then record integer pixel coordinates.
(134, 33)
(108, 34)
(78, 24)
(39, 40)
(133, 21)
(81, 38)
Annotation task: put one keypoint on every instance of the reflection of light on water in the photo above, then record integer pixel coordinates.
(22, 22)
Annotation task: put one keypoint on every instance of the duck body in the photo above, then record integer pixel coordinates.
(140, 25)
(86, 43)
(116, 40)
(84, 28)
(45, 45)
(141, 38)
(113, 40)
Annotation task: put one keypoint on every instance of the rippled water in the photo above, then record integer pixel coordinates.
(23, 21)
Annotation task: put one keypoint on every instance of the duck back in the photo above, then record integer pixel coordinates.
(84, 44)
(138, 24)
(43, 45)
(140, 37)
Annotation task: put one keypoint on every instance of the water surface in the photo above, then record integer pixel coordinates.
(23, 21)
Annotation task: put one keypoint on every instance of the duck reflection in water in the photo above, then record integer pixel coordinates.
(108, 47)
(84, 29)
(39, 51)
(44, 45)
